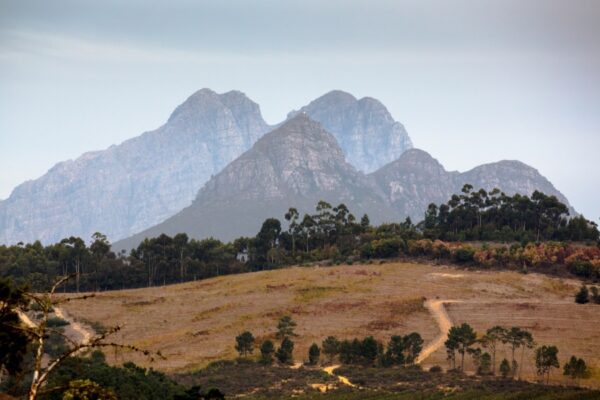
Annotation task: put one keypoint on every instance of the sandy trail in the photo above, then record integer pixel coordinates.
(342, 379)
(437, 309)
(84, 333)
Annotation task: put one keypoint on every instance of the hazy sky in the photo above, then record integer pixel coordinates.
(472, 81)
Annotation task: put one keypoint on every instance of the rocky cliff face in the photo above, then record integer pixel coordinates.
(296, 165)
(364, 129)
(127, 188)
(136, 185)
(416, 180)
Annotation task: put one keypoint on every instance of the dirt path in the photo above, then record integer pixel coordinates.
(84, 333)
(342, 379)
(437, 309)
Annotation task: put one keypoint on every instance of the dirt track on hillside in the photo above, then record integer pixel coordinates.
(438, 311)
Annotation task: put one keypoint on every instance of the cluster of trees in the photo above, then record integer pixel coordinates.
(479, 215)
(332, 233)
(583, 296)
(244, 343)
(463, 340)
(401, 350)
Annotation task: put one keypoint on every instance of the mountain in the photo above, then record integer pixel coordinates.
(295, 165)
(364, 129)
(417, 179)
(127, 188)
(414, 181)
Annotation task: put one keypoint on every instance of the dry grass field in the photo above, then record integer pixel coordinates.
(195, 323)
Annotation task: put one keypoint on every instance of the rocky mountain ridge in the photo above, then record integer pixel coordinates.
(141, 182)
(364, 128)
(295, 165)
(300, 163)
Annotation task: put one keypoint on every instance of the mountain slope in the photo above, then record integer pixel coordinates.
(126, 188)
(296, 165)
(416, 179)
(364, 129)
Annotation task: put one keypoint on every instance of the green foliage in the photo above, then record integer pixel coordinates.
(128, 382)
(505, 368)
(546, 358)
(267, 349)
(314, 352)
(403, 350)
(13, 340)
(330, 233)
(85, 389)
(364, 352)
(244, 343)
(285, 327)
(463, 255)
(331, 347)
(285, 351)
(460, 339)
(479, 215)
(576, 368)
(56, 322)
(583, 296)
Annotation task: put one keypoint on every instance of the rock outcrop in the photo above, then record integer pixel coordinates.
(141, 182)
(364, 129)
(296, 165)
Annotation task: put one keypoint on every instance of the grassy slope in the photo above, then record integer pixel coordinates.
(195, 323)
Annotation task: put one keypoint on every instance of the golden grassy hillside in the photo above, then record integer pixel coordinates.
(196, 322)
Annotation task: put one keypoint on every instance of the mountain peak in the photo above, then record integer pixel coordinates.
(364, 128)
(144, 180)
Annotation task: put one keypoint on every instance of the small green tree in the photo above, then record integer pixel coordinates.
(490, 341)
(504, 368)
(460, 338)
(285, 327)
(244, 343)
(485, 364)
(583, 296)
(576, 368)
(370, 349)
(331, 347)
(403, 350)
(266, 352)
(546, 358)
(314, 352)
(285, 351)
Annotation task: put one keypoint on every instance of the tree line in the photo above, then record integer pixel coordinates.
(331, 233)
(403, 350)
(482, 215)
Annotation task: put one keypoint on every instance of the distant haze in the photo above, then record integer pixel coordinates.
(472, 82)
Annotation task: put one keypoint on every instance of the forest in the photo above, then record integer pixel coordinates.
(523, 232)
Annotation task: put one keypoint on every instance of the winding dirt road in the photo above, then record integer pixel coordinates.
(84, 334)
(437, 309)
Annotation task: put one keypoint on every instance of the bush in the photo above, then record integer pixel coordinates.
(314, 352)
(435, 369)
(386, 248)
(55, 322)
(463, 255)
(583, 296)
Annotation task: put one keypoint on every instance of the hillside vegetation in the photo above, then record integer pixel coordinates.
(196, 323)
